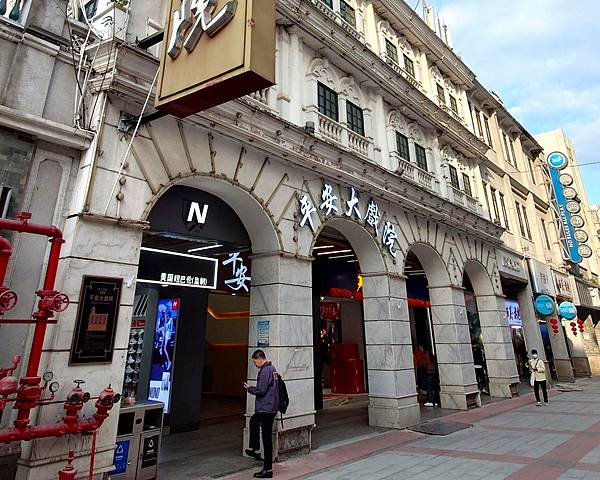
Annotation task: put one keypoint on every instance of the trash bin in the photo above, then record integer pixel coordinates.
(139, 434)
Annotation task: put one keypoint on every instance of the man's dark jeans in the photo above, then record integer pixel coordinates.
(263, 422)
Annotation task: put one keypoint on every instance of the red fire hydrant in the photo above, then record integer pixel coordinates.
(68, 472)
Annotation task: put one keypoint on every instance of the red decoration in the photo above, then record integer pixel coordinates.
(417, 302)
(553, 321)
(573, 324)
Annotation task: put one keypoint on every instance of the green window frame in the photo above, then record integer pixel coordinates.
(441, 94)
(402, 146)
(354, 117)
(421, 157)
(328, 102)
(453, 104)
(347, 13)
(409, 66)
(391, 50)
(453, 176)
(504, 212)
(329, 3)
(467, 185)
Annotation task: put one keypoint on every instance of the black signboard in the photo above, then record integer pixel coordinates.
(172, 268)
(96, 323)
(194, 213)
(150, 451)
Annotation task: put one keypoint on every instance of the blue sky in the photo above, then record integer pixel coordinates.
(543, 58)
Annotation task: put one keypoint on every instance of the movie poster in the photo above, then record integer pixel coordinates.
(163, 350)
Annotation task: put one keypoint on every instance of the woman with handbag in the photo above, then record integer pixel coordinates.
(538, 377)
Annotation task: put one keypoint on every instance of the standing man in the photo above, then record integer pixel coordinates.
(266, 406)
(538, 371)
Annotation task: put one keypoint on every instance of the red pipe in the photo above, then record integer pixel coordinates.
(5, 253)
(93, 455)
(42, 315)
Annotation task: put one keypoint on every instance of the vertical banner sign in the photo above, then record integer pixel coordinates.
(557, 161)
(163, 351)
(96, 322)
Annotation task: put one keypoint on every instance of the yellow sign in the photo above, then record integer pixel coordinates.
(215, 51)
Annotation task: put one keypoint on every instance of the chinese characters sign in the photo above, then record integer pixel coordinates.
(163, 267)
(238, 279)
(96, 323)
(372, 216)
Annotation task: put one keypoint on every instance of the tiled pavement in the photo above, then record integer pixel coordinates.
(512, 440)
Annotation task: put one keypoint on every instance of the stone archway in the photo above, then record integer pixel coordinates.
(392, 398)
(458, 386)
(495, 331)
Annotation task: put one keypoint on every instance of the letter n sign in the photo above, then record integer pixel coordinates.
(194, 214)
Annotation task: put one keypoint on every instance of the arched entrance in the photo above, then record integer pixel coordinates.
(193, 319)
(448, 322)
(490, 333)
(340, 351)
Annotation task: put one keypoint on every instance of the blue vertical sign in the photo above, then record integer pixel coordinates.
(557, 161)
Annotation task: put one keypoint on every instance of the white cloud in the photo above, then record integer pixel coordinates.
(542, 58)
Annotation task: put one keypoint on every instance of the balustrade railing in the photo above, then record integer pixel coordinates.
(415, 174)
(461, 198)
(404, 73)
(343, 135)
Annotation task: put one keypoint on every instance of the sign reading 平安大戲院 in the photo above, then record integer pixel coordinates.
(215, 51)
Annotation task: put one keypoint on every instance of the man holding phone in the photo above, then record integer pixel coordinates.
(266, 406)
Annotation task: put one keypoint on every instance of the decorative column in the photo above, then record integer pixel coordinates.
(531, 328)
(392, 385)
(500, 357)
(281, 316)
(453, 344)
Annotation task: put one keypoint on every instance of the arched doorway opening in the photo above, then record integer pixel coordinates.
(475, 331)
(340, 356)
(422, 333)
(191, 320)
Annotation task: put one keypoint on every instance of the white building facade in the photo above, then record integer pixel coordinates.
(376, 130)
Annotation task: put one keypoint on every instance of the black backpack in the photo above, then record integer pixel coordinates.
(284, 399)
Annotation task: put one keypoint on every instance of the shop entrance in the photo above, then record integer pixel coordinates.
(338, 325)
(188, 345)
(422, 333)
(481, 371)
(511, 289)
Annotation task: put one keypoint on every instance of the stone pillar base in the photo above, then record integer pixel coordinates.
(502, 387)
(460, 401)
(594, 361)
(294, 436)
(394, 412)
(564, 370)
(581, 367)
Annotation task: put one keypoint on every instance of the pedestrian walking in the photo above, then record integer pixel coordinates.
(432, 382)
(538, 377)
(266, 407)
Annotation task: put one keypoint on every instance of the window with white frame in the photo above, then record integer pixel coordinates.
(453, 104)
(441, 94)
(392, 51)
(328, 102)
(545, 234)
(453, 176)
(504, 211)
(467, 185)
(477, 114)
(355, 120)
(348, 13)
(496, 211)
(402, 146)
(421, 157)
(523, 220)
(488, 133)
(409, 66)
(329, 3)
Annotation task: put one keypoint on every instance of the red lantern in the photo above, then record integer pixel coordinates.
(573, 324)
(580, 322)
(553, 321)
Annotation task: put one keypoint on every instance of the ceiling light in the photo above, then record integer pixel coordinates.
(341, 256)
(334, 251)
(352, 261)
(320, 247)
(204, 248)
